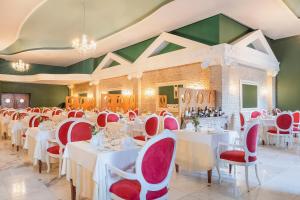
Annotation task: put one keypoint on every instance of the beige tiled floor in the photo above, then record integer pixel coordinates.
(279, 171)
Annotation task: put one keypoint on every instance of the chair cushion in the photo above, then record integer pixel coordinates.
(273, 130)
(236, 156)
(53, 150)
(130, 190)
(296, 129)
(140, 137)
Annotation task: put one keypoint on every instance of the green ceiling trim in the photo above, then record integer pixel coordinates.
(132, 52)
(55, 23)
(112, 64)
(230, 30)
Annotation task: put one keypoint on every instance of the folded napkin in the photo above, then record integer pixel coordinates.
(98, 140)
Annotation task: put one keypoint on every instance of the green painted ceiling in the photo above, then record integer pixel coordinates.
(57, 22)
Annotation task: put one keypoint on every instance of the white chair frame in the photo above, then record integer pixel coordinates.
(247, 154)
(61, 146)
(284, 136)
(145, 186)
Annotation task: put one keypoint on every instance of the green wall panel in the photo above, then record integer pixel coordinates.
(249, 93)
(287, 52)
(41, 94)
(6, 68)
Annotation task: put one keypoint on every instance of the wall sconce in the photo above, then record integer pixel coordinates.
(126, 92)
(149, 92)
(7, 100)
(22, 100)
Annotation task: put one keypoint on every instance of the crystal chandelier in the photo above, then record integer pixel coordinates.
(83, 44)
(20, 66)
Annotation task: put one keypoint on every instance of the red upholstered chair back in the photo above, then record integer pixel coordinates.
(15, 116)
(61, 132)
(36, 110)
(242, 120)
(22, 115)
(155, 162)
(71, 113)
(296, 118)
(251, 140)
(45, 110)
(57, 112)
(79, 114)
(162, 112)
(171, 123)
(131, 115)
(101, 119)
(10, 113)
(34, 121)
(151, 125)
(80, 130)
(112, 117)
(284, 122)
(136, 112)
(28, 109)
(255, 114)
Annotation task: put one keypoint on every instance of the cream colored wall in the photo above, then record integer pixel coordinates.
(84, 88)
(231, 77)
(186, 74)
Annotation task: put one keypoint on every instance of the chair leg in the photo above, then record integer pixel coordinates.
(218, 170)
(48, 163)
(59, 170)
(247, 181)
(177, 168)
(256, 172)
(230, 168)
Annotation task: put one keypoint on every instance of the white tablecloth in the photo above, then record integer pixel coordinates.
(86, 166)
(197, 151)
(16, 128)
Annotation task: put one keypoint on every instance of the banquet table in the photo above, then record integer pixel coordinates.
(37, 142)
(196, 151)
(85, 168)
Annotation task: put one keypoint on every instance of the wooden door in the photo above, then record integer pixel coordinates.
(13, 100)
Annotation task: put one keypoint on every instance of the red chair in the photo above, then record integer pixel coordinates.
(296, 122)
(34, 121)
(36, 110)
(101, 119)
(28, 109)
(131, 115)
(79, 114)
(45, 110)
(71, 113)
(255, 114)
(283, 128)
(56, 151)
(162, 112)
(136, 111)
(112, 117)
(57, 112)
(170, 123)
(242, 121)
(151, 129)
(242, 155)
(153, 171)
(80, 130)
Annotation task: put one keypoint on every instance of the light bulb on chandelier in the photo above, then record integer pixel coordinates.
(83, 44)
(20, 66)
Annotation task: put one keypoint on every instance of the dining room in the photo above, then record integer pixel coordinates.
(166, 99)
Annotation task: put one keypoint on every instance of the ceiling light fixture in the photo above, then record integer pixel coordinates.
(20, 66)
(83, 45)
